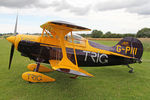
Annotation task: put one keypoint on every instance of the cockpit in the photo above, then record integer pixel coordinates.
(76, 38)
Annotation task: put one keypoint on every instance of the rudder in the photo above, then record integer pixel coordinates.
(129, 46)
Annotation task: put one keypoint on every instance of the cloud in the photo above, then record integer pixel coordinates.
(132, 6)
(141, 7)
(142, 10)
(21, 3)
(58, 5)
(64, 5)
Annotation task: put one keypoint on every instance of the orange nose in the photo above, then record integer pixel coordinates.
(11, 39)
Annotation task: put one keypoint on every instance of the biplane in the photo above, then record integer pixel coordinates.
(65, 51)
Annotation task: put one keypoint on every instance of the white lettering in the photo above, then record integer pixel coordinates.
(93, 56)
(103, 58)
(85, 59)
(96, 57)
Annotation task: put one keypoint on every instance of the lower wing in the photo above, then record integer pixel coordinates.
(69, 69)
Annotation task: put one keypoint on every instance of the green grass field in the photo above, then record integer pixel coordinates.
(109, 83)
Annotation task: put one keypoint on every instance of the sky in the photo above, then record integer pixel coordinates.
(117, 16)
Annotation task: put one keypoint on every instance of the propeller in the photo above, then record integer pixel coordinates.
(12, 46)
(11, 55)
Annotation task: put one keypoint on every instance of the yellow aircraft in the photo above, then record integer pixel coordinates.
(65, 51)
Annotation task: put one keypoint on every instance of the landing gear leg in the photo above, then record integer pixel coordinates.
(37, 67)
(131, 69)
(38, 64)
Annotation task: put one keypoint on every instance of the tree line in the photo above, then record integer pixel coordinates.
(143, 33)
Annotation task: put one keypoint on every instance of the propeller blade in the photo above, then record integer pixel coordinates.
(11, 55)
(15, 30)
(12, 46)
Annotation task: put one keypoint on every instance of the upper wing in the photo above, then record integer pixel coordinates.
(63, 25)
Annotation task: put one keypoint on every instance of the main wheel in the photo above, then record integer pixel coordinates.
(130, 71)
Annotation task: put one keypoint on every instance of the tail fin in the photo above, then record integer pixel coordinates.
(129, 46)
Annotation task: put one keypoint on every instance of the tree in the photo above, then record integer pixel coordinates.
(107, 35)
(144, 32)
(97, 34)
(128, 35)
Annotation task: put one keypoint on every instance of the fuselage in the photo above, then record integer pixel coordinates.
(48, 48)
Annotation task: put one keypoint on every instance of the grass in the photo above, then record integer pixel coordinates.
(109, 83)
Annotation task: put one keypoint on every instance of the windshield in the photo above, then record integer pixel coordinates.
(77, 38)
